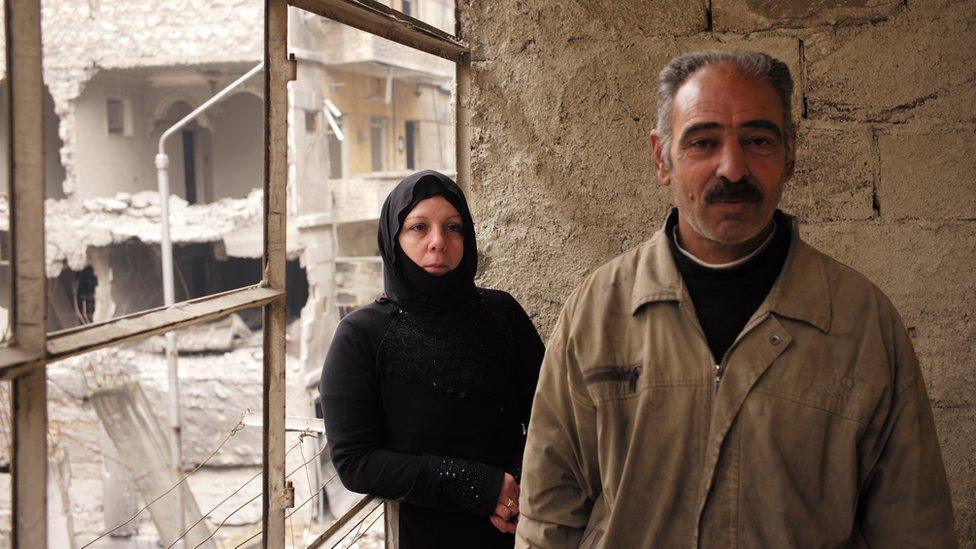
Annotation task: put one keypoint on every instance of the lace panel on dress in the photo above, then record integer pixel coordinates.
(461, 353)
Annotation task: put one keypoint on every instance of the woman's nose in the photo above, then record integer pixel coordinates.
(437, 240)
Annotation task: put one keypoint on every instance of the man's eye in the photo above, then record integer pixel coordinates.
(760, 141)
(702, 143)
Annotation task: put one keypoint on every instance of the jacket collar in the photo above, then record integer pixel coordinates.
(802, 291)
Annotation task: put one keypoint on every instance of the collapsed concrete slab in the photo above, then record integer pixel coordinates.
(128, 419)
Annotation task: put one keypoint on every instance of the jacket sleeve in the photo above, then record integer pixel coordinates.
(905, 501)
(352, 408)
(560, 481)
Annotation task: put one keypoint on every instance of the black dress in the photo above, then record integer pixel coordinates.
(427, 405)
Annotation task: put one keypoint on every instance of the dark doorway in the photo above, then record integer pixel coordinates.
(189, 166)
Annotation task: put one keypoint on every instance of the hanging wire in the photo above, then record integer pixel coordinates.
(256, 496)
(223, 501)
(368, 528)
(308, 478)
(358, 524)
(237, 428)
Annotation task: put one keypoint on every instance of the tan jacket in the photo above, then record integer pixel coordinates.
(815, 432)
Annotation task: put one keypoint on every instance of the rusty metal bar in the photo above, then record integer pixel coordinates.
(375, 18)
(141, 325)
(29, 389)
(344, 524)
(279, 70)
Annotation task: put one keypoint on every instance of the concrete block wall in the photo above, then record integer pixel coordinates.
(562, 180)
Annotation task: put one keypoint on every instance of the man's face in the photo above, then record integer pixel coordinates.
(730, 160)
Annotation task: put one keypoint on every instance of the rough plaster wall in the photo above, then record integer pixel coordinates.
(563, 100)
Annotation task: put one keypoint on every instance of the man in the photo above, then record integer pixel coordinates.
(725, 384)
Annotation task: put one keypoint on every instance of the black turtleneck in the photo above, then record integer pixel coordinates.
(725, 299)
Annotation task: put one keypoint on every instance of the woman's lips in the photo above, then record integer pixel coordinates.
(436, 268)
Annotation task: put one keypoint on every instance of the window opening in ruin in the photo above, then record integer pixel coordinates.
(377, 143)
(311, 122)
(336, 164)
(115, 116)
(71, 299)
(408, 8)
(410, 132)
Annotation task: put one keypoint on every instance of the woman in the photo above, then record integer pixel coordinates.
(427, 390)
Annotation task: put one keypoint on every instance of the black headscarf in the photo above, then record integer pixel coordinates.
(405, 282)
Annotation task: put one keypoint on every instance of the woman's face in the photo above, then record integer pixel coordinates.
(433, 235)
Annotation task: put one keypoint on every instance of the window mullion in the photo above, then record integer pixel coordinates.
(279, 70)
(29, 389)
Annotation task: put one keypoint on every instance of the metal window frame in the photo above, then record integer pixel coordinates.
(24, 361)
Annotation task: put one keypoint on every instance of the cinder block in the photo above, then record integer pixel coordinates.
(754, 15)
(917, 64)
(957, 436)
(833, 177)
(927, 172)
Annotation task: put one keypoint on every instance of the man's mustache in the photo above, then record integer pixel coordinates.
(744, 190)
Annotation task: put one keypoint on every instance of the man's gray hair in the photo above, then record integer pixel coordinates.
(755, 64)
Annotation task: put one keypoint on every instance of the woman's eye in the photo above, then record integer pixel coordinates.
(455, 228)
(419, 227)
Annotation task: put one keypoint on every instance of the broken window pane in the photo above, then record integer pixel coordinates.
(116, 95)
(393, 109)
(109, 433)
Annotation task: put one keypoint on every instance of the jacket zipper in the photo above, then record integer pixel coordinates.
(615, 373)
(720, 367)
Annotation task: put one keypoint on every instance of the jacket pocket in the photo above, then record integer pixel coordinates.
(613, 381)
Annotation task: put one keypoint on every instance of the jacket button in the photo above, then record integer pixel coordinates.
(774, 339)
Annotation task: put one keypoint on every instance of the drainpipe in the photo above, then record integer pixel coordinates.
(166, 249)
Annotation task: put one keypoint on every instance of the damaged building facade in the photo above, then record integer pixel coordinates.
(363, 112)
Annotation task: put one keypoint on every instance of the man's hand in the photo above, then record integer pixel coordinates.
(506, 510)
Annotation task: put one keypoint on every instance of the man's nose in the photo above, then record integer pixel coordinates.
(732, 163)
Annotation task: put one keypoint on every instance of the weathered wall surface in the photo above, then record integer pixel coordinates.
(562, 180)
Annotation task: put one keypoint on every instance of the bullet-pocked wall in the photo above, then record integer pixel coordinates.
(563, 101)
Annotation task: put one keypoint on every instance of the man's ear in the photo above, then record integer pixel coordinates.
(657, 151)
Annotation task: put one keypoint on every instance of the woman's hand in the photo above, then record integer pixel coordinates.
(506, 510)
